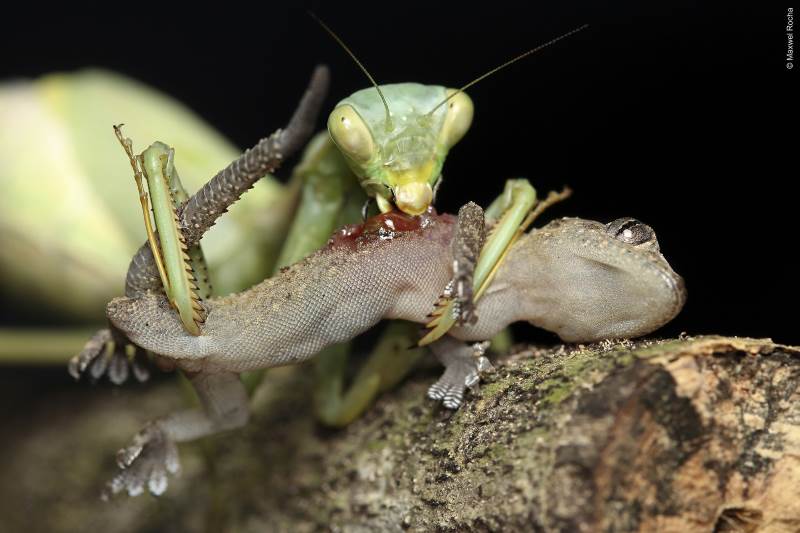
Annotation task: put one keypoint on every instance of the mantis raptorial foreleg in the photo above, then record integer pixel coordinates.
(201, 210)
(455, 305)
(514, 211)
(162, 198)
(222, 191)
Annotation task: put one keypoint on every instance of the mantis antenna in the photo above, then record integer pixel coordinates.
(507, 63)
(389, 125)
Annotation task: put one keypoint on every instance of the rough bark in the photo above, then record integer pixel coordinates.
(685, 435)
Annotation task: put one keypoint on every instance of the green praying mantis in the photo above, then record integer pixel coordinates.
(388, 143)
(73, 271)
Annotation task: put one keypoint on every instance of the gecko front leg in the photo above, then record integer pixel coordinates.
(152, 454)
(107, 352)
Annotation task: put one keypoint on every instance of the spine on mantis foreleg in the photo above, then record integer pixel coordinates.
(511, 211)
(180, 284)
(168, 246)
(197, 258)
(213, 199)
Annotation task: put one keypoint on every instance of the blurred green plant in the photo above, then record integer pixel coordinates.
(68, 220)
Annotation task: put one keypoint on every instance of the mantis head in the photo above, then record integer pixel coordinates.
(397, 150)
(395, 137)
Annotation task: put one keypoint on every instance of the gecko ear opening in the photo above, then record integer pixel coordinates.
(458, 118)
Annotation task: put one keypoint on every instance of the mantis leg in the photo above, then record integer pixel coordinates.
(389, 362)
(512, 207)
(215, 197)
(330, 197)
(163, 196)
(197, 259)
(200, 212)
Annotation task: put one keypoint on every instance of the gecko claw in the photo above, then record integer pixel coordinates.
(144, 464)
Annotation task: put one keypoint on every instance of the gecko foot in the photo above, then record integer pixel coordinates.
(144, 464)
(463, 368)
(107, 354)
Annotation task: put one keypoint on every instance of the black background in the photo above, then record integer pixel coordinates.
(680, 116)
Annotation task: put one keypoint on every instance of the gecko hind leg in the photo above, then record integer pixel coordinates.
(152, 455)
(464, 364)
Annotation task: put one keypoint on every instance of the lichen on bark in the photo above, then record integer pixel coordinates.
(692, 434)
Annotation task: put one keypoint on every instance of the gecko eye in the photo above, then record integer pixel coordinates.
(631, 231)
(351, 134)
(458, 118)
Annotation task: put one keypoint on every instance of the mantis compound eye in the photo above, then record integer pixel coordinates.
(631, 231)
(458, 118)
(351, 134)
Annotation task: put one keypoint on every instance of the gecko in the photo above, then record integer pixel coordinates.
(581, 279)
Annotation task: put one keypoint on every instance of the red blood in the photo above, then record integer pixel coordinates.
(393, 221)
(384, 226)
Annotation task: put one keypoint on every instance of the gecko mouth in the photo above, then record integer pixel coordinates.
(678, 286)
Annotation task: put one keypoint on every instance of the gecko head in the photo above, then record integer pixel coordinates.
(149, 322)
(596, 281)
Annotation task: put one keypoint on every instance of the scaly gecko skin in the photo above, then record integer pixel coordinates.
(580, 279)
(583, 280)
(570, 277)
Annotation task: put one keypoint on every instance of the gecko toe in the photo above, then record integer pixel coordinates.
(145, 464)
(94, 350)
(437, 391)
(118, 368)
(449, 389)
(454, 397)
(463, 368)
(106, 354)
(157, 483)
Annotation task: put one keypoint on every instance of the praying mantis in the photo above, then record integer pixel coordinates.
(391, 140)
(328, 185)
